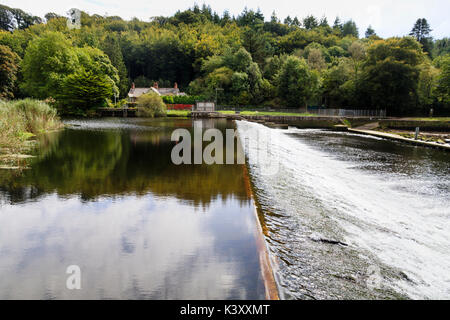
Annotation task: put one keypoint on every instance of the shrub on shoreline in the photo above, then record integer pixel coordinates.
(21, 119)
(151, 105)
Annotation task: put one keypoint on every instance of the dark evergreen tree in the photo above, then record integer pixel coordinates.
(310, 22)
(337, 25)
(370, 32)
(324, 22)
(350, 29)
(111, 47)
(421, 31)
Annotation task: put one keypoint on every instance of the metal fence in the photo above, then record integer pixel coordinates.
(314, 110)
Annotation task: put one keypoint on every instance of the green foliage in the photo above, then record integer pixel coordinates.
(111, 47)
(310, 22)
(427, 84)
(9, 65)
(421, 31)
(237, 60)
(151, 105)
(350, 29)
(85, 90)
(443, 83)
(47, 62)
(181, 99)
(296, 83)
(370, 32)
(441, 47)
(80, 78)
(21, 119)
(391, 74)
(97, 62)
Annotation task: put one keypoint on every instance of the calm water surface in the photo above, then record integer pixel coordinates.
(104, 195)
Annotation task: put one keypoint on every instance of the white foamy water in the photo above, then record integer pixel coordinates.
(378, 213)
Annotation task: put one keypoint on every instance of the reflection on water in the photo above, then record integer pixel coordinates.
(388, 201)
(104, 195)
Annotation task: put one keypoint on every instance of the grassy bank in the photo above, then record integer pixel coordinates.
(178, 113)
(21, 120)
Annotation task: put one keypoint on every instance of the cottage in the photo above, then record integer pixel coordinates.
(135, 93)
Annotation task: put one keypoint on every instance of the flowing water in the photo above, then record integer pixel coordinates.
(349, 216)
(105, 196)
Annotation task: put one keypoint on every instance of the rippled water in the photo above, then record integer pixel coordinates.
(104, 195)
(386, 203)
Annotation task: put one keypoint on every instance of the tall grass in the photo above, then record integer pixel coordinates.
(21, 119)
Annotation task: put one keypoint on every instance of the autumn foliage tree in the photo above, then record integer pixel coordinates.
(9, 65)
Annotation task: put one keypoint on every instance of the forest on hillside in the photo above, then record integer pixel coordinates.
(246, 60)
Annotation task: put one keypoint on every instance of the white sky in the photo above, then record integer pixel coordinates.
(387, 17)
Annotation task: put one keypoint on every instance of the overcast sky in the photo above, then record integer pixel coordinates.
(387, 17)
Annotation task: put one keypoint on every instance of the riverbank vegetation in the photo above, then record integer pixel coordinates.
(150, 105)
(240, 61)
(22, 119)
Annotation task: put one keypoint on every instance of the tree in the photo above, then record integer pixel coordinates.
(310, 22)
(240, 87)
(390, 75)
(239, 61)
(296, 83)
(296, 22)
(337, 25)
(48, 60)
(442, 90)
(441, 47)
(316, 60)
(274, 18)
(324, 22)
(334, 88)
(257, 44)
(350, 29)
(9, 65)
(255, 82)
(250, 18)
(427, 84)
(51, 15)
(97, 62)
(288, 20)
(370, 32)
(84, 90)
(111, 47)
(421, 31)
(273, 66)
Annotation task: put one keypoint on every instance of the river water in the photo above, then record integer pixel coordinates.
(350, 216)
(104, 195)
(344, 216)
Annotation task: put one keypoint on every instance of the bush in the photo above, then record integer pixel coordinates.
(182, 99)
(21, 119)
(151, 105)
